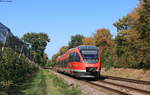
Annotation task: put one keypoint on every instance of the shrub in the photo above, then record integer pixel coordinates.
(15, 69)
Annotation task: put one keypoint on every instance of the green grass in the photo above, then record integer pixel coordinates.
(46, 83)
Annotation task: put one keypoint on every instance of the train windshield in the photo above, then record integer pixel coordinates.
(90, 56)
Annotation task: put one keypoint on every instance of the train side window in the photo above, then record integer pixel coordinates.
(71, 57)
(65, 63)
(67, 60)
(76, 57)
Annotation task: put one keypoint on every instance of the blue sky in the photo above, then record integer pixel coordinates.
(62, 18)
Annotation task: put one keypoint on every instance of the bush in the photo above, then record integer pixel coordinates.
(15, 69)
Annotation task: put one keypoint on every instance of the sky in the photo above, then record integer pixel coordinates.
(61, 19)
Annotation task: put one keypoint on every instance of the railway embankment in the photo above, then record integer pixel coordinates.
(107, 85)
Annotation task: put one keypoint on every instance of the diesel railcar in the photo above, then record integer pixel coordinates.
(82, 61)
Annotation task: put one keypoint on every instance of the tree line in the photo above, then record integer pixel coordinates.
(131, 46)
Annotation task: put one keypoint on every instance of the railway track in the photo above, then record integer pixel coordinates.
(118, 89)
(127, 80)
(117, 92)
(108, 88)
(143, 92)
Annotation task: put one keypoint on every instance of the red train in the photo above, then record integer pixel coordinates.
(82, 61)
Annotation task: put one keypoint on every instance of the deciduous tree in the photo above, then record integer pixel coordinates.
(88, 41)
(37, 42)
(76, 41)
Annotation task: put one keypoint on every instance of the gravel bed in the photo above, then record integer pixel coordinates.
(85, 88)
(134, 85)
(120, 89)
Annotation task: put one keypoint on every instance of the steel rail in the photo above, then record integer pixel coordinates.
(127, 80)
(98, 85)
(126, 87)
(107, 88)
(118, 85)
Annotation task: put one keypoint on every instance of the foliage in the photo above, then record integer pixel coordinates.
(63, 50)
(15, 69)
(133, 46)
(88, 41)
(75, 41)
(144, 20)
(37, 42)
(103, 40)
(121, 24)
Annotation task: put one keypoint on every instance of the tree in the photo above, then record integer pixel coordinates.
(127, 38)
(121, 24)
(88, 41)
(53, 59)
(128, 22)
(145, 20)
(63, 50)
(76, 41)
(103, 38)
(133, 44)
(37, 42)
(144, 32)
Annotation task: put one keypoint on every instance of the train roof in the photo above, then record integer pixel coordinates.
(87, 47)
(81, 47)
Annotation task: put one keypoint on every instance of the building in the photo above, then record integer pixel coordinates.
(4, 33)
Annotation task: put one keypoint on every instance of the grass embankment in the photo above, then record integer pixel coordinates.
(138, 74)
(45, 83)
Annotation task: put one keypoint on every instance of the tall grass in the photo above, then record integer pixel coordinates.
(45, 83)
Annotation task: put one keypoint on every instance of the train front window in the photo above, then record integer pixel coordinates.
(90, 56)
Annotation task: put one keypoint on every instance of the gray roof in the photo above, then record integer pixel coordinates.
(4, 33)
(87, 47)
